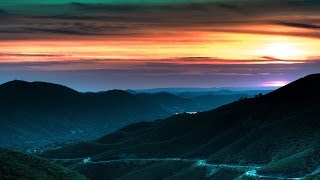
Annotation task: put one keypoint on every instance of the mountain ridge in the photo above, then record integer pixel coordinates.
(39, 114)
(278, 130)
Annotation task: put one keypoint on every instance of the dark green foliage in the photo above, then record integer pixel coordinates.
(156, 171)
(109, 171)
(279, 131)
(36, 114)
(312, 177)
(14, 165)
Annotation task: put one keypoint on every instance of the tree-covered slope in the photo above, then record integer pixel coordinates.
(14, 165)
(278, 131)
(34, 114)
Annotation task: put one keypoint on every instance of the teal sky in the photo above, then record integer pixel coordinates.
(17, 2)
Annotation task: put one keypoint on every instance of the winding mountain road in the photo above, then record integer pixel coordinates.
(250, 170)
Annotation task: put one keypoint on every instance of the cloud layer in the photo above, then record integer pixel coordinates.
(142, 44)
(84, 19)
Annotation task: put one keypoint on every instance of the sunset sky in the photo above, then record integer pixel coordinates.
(94, 45)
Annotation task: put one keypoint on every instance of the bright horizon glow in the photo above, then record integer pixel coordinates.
(275, 84)
(227, 46)
(282, 50)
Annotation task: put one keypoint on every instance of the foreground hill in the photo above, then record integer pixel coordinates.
(16, 165)
(36, 114)
(277, 133)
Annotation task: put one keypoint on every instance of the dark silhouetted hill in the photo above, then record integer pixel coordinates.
(278, 131)
(14, 165)
(38, 115)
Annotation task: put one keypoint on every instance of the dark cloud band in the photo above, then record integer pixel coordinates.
(81, 19)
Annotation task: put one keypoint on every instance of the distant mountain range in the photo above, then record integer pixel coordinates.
(267, 137)
(216, 90)
(205, 92)
(38, 115)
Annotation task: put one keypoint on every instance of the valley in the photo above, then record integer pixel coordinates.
(277, 134)
(38, 116)
(160, 90)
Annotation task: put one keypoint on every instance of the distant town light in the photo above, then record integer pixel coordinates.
(187, 113)
(87, 160)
